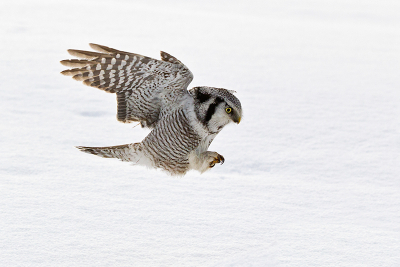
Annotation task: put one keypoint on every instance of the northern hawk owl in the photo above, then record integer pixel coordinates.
(154, 93)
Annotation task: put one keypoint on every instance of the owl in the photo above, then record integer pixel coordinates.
(154, 93)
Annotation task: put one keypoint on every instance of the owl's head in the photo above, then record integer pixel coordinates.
(216, 107)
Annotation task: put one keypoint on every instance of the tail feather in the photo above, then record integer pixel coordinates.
(128, 152)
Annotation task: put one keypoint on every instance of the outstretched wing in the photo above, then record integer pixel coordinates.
(145, 87)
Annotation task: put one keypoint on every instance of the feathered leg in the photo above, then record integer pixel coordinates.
(205, 160)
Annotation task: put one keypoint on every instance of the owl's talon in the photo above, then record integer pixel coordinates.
(217, 159)
(222, 159)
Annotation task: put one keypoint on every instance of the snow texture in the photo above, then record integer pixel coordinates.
(312, 173)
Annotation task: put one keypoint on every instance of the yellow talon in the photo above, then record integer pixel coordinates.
(218, 159)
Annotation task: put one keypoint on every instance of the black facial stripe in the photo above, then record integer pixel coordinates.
(202, 97)
(211, 108)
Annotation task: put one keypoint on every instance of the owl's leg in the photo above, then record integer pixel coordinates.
(205, 161)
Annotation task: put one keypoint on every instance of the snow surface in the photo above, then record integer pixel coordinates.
(312, 174)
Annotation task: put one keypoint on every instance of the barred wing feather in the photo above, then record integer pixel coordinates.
(144, 86)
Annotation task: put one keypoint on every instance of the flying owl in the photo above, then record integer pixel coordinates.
(154, 93)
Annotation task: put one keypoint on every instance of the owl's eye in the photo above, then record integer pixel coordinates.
(228, 110)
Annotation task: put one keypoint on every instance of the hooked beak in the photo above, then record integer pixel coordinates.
(237, 119)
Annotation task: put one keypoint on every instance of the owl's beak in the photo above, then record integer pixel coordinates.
(237, 119)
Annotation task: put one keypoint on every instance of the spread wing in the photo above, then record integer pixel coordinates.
(145, 87)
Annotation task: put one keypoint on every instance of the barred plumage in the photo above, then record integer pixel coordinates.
(154, 92)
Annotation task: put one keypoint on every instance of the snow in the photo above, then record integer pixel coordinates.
(311, 176)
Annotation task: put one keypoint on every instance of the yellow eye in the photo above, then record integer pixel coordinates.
(228, 110)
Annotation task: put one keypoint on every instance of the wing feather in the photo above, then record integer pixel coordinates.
(140, 82)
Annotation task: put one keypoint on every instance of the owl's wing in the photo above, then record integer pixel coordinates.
(143, 85)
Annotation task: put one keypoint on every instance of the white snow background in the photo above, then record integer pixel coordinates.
(312, 173)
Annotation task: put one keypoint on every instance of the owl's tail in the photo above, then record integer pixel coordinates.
(128, 152)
